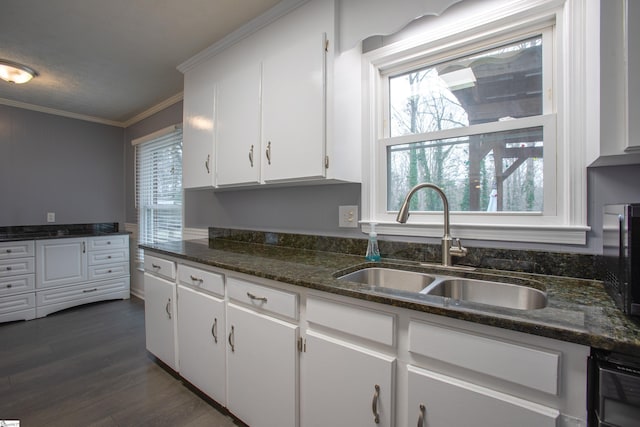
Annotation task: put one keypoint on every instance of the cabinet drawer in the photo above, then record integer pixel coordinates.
(358, 321)
(11, 303)
(109, 257)
(263, 297)
(109, 242)
(20, 249)
(80, 292)
(160, 266)
(17, 284)
(206, 280)
(98, 272)
(17, 266)
(494, 357)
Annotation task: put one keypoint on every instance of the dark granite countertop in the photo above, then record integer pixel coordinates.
(57, 231)
(578, 310)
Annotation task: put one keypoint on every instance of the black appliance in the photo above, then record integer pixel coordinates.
(621, 252)
(614, 390)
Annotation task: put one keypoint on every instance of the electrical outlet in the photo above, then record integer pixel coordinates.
(51, 217)
(348, 216)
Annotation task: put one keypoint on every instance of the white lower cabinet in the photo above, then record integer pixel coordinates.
(160, 319)
(437, 400)
(201, 340)
(345, 385)
(262, 368)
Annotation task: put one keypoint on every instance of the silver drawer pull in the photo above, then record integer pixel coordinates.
(232, 340)
(8, 251)
(255, 298)
(374, 405)
(421, 416)
(155, 266)
(108, 242)
(196, 279)
(9, 286)
(214, 330)
(86, 291)
(166, 308)
(108, 256)
(8, 268)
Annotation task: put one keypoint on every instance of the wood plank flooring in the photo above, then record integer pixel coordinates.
(88, 366)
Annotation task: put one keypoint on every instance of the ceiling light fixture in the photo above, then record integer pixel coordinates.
(13, 72)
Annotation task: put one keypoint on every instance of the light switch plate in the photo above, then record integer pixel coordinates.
(348, 216)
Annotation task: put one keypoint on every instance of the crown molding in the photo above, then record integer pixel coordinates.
(56, 112)
(270, 16)
(156, 108)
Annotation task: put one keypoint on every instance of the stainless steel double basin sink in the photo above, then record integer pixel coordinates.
(455, 287)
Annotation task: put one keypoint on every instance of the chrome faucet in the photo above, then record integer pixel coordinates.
(447, 250)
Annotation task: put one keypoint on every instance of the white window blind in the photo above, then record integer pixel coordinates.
(159, 186)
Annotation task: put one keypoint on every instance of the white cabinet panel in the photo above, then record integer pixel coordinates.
(263, 298)
(15, 266)
(61, 262)
(160, 319)
(450, 402)
(262, 369)
(201, 279)
(201, 340)
(346, 385)
(238, 150)
(293, 109)
(17, 249)
(198, 136)
(17, 284)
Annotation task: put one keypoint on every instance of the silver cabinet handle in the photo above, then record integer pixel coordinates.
(232, 339)
(155, 266)
(206, 163)
(214, 330)
(9, 250)
(251, 155)
(374, 405)
(269, 152)
(166, 308)
(196, 279)
(255, 298)
(89, 290)
(84, 247)
(8, 268)
(421, 416)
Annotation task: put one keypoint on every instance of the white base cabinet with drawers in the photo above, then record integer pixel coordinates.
(17, 281)
(300, 357)
(201, 331)
(76, 271)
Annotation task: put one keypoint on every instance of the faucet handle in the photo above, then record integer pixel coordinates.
(458, 251)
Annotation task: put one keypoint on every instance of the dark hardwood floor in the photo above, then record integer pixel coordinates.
(88, 366)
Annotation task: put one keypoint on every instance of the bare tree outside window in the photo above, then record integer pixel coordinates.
(495, 171)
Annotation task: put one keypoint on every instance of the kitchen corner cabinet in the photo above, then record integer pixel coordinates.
(198, 135)
(201, 330)
(160, 314)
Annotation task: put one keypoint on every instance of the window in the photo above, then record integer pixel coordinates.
(481, 106)
(159, 186)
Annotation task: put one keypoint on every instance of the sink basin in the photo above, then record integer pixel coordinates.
(491, 293)
(408, 281)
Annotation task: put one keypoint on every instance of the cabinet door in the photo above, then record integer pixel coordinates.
(198, 137)
(238, 128)
(160, 319)
(60, 262)
(201, 340)
(437, 400)
(293, 110)
(262, 367)
(346, 385)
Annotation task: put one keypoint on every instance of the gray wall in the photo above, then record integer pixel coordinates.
(167, 117)
(55, 164)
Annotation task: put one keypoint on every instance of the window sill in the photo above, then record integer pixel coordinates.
(555, 234)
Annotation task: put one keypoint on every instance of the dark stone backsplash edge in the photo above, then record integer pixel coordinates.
(56, 230)
(528, 261)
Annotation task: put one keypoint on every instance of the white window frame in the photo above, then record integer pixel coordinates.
(565, 117)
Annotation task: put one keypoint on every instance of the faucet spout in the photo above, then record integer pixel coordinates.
(403, 216)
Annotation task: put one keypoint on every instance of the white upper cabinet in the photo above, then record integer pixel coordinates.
(198, 133)
(238, 127)
(274, 105)
(293, 109)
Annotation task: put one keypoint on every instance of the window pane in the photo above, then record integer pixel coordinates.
(499, 171)
(485, 87)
